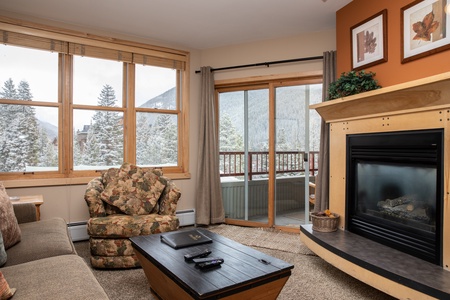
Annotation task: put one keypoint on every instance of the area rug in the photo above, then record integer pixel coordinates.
(312, 277)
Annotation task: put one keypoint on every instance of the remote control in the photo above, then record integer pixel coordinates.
(210, 264)
(201, 253)
(206, 259)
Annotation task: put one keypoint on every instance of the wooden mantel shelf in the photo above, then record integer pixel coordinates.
(427, 93)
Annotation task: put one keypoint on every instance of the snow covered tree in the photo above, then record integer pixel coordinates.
(165, 147)
(143, 138)
(229, 138)
(48, 156)
(104, 144)
(24, 143)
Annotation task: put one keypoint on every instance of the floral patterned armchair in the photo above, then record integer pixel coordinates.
(125, 202)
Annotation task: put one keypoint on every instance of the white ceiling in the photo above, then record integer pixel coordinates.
(196, 24)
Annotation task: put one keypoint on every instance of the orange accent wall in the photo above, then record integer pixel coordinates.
(393, 71)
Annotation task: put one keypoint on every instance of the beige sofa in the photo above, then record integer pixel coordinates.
(44, 264)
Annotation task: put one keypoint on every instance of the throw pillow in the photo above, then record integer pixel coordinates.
(8, 222)
(5, 291)
(3, 255)
(134, 191)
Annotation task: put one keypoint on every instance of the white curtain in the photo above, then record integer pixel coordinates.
(209, 205)
(322, 180)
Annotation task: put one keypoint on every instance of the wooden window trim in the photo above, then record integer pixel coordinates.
(43, 37)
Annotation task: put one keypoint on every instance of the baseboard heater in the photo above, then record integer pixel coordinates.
(78, 230)
(186, 217)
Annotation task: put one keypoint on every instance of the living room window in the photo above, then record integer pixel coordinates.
(71, 109)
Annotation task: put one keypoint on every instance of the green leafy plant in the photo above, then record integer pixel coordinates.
(352, 83)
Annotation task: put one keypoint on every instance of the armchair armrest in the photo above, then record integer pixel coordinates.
(92, 197)
(169, 198)
(25, 212)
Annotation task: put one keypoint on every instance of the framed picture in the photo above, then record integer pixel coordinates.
(425, 28)
(369, 41)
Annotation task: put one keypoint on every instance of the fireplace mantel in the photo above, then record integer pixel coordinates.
(423, 94)
(416, 105)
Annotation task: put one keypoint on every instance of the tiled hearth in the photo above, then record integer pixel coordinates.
(381, 261)
(417, 105)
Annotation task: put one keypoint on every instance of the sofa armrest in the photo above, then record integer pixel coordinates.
(25, 212)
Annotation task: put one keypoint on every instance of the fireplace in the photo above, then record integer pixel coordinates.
(398, 138)
(394, 190)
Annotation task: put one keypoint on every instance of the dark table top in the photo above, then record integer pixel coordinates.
(242, 265)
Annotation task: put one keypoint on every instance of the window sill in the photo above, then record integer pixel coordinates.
(22, 183)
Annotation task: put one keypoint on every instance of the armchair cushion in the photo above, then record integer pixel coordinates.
(124, 226)
(135, 191)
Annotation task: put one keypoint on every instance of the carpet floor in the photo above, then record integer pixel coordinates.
(312, 277)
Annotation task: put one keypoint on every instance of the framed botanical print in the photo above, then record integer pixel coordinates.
(369, 41)
(425, 28)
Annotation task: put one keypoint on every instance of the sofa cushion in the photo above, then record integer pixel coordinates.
(3, 255)
(41, 239)
(8, 222)
(61, 277)
(134, 191)
(5, 291)
(121, 226)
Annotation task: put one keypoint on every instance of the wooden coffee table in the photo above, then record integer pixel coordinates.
(245, 274)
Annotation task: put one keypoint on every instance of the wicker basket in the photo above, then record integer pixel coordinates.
(324, 223)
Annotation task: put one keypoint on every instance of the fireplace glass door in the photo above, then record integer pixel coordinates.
(394, 190)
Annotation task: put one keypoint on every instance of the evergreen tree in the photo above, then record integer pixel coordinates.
(104, 145)
(143, 140)
(165, 140)
(91, 153)
(48, 156)
(282, 144)
(24, 92)
(24, 143)
(77, 160)
(9, 90)
(229, 138)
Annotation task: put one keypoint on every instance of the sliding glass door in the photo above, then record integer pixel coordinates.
(243, 134)
(268, 152)
(296, 150)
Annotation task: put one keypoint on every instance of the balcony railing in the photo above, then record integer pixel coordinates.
(232, 163)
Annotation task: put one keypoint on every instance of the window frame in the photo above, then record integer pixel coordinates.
(70, 43)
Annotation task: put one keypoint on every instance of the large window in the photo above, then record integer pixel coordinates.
(68, 110)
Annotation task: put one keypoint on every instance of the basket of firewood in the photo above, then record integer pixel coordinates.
(324, 221)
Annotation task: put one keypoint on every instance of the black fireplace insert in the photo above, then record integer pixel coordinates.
(394, 190)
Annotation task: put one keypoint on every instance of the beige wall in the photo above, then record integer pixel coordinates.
(306, 45)
(68, 202)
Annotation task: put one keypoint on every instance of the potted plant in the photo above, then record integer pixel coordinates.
(352, 83)
(324, 221)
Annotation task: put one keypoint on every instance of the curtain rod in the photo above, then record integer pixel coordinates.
(267, 64)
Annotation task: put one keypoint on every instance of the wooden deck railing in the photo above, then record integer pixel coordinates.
(232, 163)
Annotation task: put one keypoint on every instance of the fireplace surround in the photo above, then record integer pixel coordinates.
(418, 106)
